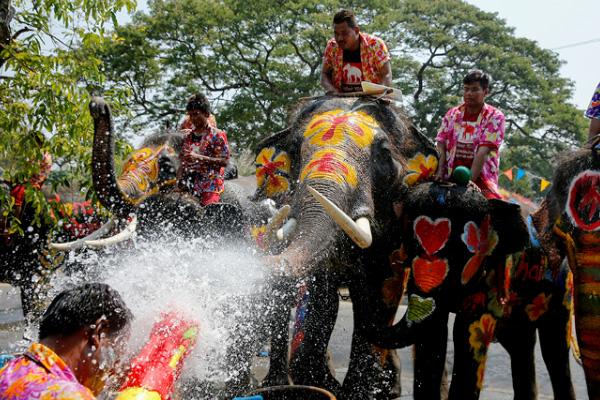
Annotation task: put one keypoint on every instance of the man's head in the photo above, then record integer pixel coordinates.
(475, 87)
(346, 30)
(198, 108)
(89, 326)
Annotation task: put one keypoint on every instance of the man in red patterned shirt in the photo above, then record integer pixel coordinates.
(352, 57)
(204, 154)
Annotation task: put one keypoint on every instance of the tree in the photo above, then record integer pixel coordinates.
(447, 38)
(44, 91)
(256, 58)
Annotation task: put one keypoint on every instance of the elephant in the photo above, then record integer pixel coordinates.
(499, 274)
(574, 204)
(338, 167)
(145, 193)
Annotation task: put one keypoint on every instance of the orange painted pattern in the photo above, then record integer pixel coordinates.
(329, 164)
(140, 173)
(333, 127)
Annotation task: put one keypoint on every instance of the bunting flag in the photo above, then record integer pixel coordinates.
(543, 184)
(522, 173)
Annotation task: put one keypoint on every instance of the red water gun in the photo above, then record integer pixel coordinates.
(158, 365)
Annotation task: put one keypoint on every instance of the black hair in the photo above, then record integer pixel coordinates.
(345, 16)
(479, 76)
(198, 102)
(82, 306)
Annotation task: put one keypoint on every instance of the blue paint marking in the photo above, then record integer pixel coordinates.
(441, 199)
(533, 234)
(256, 397)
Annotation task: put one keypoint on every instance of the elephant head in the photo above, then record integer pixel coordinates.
(455, 241)
(575, 206)
(338, 166)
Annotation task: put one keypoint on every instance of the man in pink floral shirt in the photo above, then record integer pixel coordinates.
(204, 154)
(81, 334)
(352, 57)
(471, 135)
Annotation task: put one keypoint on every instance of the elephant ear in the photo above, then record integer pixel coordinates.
(509, 225)
(274, 166)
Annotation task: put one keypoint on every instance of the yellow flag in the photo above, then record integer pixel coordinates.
(543, 184)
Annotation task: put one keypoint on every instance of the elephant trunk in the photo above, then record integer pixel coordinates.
(314, 238)
(421, 315)
(103, 168)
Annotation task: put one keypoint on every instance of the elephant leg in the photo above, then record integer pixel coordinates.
(554, 342)
(315, 319)
(430, 359)
(373, 372)
(278, 355)
(517, 336)
(472, 338)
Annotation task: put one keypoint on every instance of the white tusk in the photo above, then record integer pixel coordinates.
(277, 220)
(359, 231)
(287, 229)
(79, 243)
(125, 234)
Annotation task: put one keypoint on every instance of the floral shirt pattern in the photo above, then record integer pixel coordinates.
(593, 110)
(489, 131)
(40, 374)
(208, 178)
(373, 55)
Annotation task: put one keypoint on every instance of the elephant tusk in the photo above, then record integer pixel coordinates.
(79, 243)
(277, 220)
(125, 234)
(359, 231)
(286, 230)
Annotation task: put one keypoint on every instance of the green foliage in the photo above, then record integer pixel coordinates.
(256, 58)
(44, 87)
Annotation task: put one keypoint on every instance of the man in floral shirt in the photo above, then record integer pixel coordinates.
(352, 57)
(204, 154)
(593, 113)
(81, 333)
(471, 135)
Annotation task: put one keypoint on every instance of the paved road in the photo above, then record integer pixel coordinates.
(497, 385)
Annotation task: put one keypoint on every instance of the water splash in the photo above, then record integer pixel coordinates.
(219, 284)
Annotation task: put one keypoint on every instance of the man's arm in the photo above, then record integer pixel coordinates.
(385, 74)
(594, 128)
(478, 161)
(441, 148)
(326, 81)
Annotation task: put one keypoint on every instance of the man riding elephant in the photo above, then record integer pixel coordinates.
(352, 57)
(204, 155)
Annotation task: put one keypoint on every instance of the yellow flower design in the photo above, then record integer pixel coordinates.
(330, 164)
(272, 169)
(420, 168)
(481, 334)
(332, 127)
(258, 234)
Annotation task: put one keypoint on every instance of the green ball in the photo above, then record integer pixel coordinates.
(461, 175)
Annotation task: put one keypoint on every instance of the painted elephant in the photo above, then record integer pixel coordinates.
(144, 194)
(339, 166)
(479, 259)
(575, 204)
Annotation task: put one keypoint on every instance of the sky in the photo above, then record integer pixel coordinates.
(556, 24)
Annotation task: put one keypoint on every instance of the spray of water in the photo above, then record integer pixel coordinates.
(220, 284)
